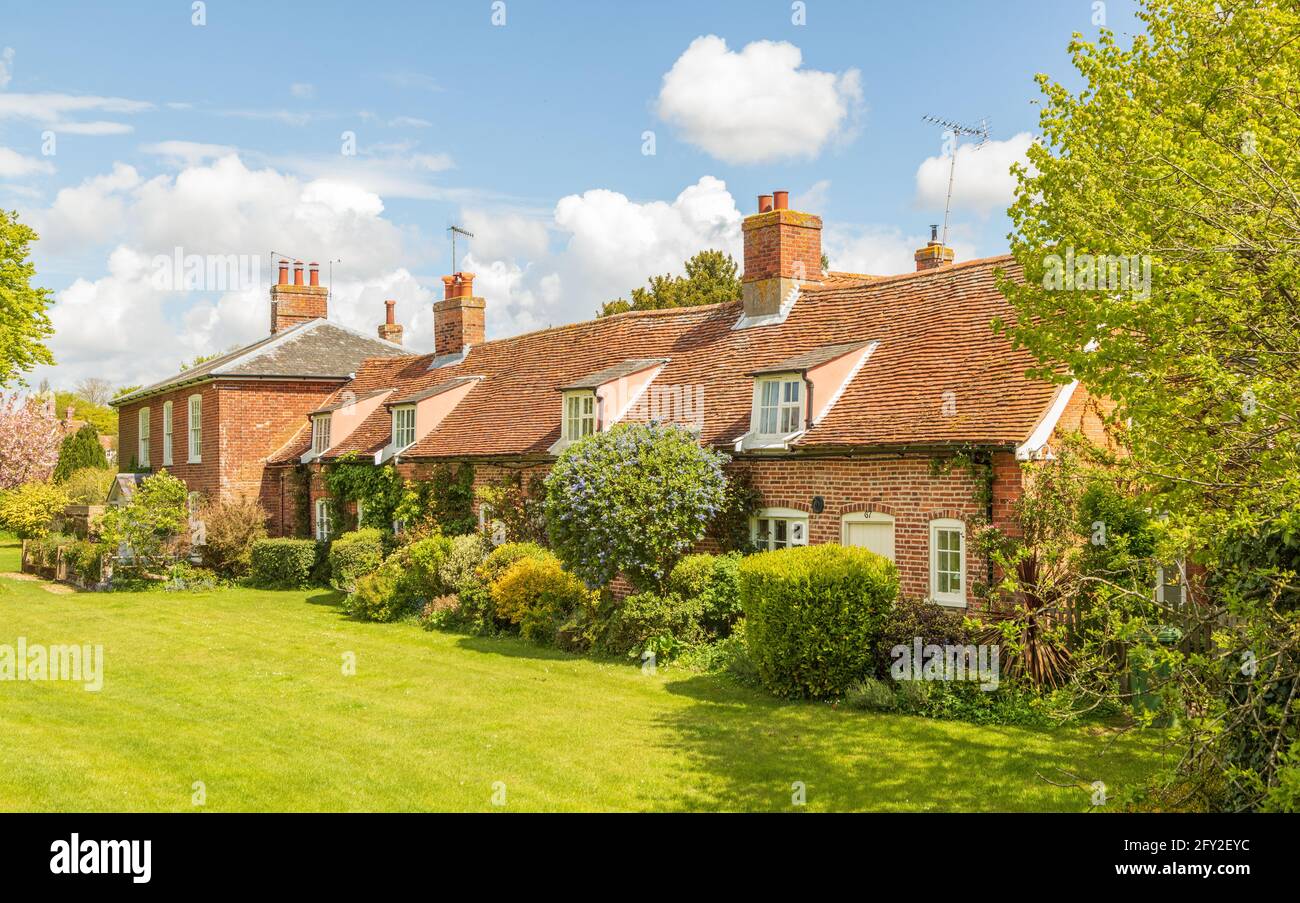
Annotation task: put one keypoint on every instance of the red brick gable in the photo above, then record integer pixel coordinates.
(939, 375)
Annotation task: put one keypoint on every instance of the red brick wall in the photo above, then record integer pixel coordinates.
(783, 243)
(244, 422)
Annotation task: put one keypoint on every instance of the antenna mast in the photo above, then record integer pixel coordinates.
(456, 230)
(981, 132)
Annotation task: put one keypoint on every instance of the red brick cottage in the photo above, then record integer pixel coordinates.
(838, 391)
(216, 424)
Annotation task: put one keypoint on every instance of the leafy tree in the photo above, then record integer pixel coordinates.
(29, 441)
(81, 449)
(29, 509)
(632, 500)
(153, 525)
(102, 417)
(24, 325)
(710, 279)
(1156, 227)
(94, 389)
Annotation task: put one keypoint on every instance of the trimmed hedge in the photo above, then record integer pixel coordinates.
(354, 555)
(282, 563)
(814, 615)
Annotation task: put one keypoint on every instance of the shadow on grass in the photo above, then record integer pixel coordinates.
(329, 598)
(749, 748)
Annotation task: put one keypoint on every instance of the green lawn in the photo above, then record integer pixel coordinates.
(244, 691)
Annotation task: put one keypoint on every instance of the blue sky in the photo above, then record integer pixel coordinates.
(229, 138)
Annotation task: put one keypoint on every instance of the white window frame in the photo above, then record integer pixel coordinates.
(194, 429)
(949, 598)
(320, 434)
(579, 416)
(324, 522)
(1179, 568)
(794, 526)
(401, 429)
(785, 411)
(167, 434)
(142, 437)
(871, 517)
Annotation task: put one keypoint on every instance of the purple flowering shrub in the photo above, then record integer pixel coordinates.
(632, 500)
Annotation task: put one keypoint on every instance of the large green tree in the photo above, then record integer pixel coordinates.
(24, 325)
(79, 450)
(710, 279)
(1158, 227)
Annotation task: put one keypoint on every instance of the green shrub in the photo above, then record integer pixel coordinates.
(714, 581)
(28, 510)
(503, 556)
(230, 529)
(377, 595)
(538, 595)
(911, 618)
(85, 558)
(44, 550)
(282, 563)
(441, 613)
(477, 612)
(89, 485)
(872, 695)
(353, 555)
(662, 624)
(814, 614)
(154, 525)
(463, 558)
(185, 577)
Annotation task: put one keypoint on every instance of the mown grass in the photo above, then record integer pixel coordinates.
(244, 691)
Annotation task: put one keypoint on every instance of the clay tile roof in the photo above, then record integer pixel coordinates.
(618, 371)
(810, 359)
(316, 349)
(345, 399)
(939, 374)
(433, 390)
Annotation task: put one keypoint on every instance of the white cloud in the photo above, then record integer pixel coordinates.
(302, 90)
(6, 67)
(94, 128)
(598, 246)
(412, 122)
(983, 182)
(881, 250)
(187, 153)
(757, 105)
(124, 326)
(52, 107)
(14, 165)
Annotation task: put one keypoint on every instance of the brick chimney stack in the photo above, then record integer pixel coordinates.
(390, 330)
(934, 255)
(458, 319)
(783, 249)
(296, 302)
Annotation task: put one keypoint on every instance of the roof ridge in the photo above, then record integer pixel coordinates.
(921, 274)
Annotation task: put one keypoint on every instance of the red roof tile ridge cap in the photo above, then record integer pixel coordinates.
(920, 274)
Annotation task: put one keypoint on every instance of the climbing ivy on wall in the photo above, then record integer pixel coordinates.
(975, 461)
(379, 490)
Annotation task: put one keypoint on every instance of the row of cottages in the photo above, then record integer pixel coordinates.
(839, 392)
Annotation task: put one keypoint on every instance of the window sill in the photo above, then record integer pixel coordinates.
(949, 602)
(194, 461)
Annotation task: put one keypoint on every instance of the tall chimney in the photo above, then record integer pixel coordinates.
(295, 303)
(390, 330)
(934, 255)
(458, 319)
(783, 248)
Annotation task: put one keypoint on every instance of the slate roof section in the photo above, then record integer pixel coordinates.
(318, 349)
(609, 374)
(939, 376)
(809, 359)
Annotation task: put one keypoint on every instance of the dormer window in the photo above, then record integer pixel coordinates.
(320, 433)
(780, 406)
(403, 426)
(579, 415)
